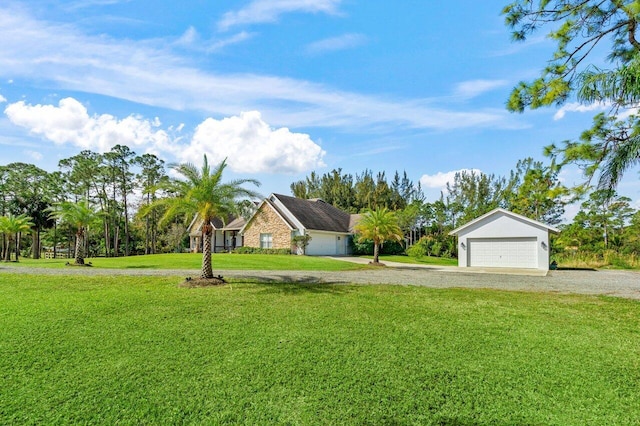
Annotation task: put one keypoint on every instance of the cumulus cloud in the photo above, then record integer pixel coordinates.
(2, 99)
(70, 123)
(578, 107)
(345, 41)
(265, 11)
(440, 179)
(250, 145)
(473, 88)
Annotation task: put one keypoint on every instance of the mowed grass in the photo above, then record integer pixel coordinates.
(140, 350)
(220, 261)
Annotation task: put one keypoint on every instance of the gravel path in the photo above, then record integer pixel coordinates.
(612, 283)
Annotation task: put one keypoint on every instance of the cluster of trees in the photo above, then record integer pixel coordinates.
(117, 185)
(121, 198)
(359, 193)
(531, 189)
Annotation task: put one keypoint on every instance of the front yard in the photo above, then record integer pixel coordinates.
(140, 350)
(220, 261)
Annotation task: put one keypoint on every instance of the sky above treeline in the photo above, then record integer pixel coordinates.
(278, 87)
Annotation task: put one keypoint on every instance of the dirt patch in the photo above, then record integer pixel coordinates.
(202, 282)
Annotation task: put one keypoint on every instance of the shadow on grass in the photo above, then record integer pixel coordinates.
(142, 267)
(567, 268)
(286, 284)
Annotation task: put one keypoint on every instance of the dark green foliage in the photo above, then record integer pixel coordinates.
(258, 250)
(582, 29)
(365, 247)
(364, 192)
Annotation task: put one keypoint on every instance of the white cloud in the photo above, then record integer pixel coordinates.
(440, 179)
(266, 11)
(578, 107)
(70, 123)
(250, 145)
(35, 155)
(64, 58)
(345, 41)
(2, 99)
(190, 39)
(473, 88)
(247, 142)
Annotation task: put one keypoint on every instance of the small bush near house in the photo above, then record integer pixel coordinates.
(257, 250)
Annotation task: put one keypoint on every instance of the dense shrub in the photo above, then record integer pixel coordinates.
(366, 247)
(257, 250)
(430, 246)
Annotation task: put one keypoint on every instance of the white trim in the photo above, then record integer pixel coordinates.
(508, 213)
(192, 221)
(265, 201)
(274, 199)
(329, 232)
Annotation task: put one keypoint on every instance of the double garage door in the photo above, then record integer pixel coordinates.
(503, 252)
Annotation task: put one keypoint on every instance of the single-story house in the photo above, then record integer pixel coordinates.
(225, 236)
(279, 218)
(503, 239)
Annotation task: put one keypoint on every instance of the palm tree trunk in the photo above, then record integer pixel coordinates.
(376, 252)
(18, 238)
(7, 253)
(79, 248)
(207, 271)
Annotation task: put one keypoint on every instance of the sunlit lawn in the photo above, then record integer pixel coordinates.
(221, 261)
(140, 350)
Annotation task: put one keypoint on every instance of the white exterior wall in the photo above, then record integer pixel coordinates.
(327, 244)
(501, 225)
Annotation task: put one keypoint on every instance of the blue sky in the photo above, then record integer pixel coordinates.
(279, 87)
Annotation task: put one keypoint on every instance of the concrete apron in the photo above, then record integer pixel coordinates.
(453, 269)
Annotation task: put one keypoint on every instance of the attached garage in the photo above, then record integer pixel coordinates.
(502, 239)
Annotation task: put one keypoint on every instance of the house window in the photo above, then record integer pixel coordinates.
(266, 241)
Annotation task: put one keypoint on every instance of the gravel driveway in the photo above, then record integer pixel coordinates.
(612, 283)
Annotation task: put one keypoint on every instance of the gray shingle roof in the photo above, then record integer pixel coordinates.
(316, 214)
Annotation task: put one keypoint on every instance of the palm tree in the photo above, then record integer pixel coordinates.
(12, 226)
(80, 215)
(203, 193)
(379, 225)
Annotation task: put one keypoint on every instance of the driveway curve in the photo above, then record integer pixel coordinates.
(624, 284)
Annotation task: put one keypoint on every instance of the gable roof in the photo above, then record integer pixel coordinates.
(315, 214)
(506, 213)
(232, 224)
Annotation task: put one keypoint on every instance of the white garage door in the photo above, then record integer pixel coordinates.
(503, 252)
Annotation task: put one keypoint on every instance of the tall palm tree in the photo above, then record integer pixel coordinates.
(202, 192)
(379, 225)
(80, 215)
(12, 226)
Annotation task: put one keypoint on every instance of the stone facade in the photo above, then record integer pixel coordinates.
(267, 221)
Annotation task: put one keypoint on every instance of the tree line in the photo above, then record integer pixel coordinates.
(118, 184)
(605, 222)
(124, 188)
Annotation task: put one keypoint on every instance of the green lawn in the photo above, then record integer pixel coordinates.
(140, 350)
(426, 260)
(221, 261)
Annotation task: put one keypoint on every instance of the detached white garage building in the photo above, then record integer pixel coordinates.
(502, 239)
